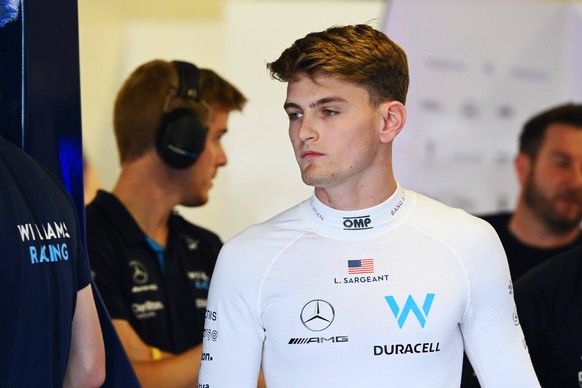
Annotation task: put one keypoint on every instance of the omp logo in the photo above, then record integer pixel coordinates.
(357, 223)
(410, 306)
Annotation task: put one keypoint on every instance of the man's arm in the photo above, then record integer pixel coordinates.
(232, 314)
(170, 371)
(86, 365)
(491, 322)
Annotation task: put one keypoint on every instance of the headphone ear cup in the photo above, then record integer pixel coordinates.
(181, 138)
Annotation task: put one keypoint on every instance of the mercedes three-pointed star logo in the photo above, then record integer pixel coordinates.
(139, 273)
(317, 315)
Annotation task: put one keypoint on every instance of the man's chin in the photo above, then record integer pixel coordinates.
(195, 202)
(567, 222)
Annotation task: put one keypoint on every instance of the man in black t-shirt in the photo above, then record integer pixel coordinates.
(547, 216)
(152, 267)
(523, 257)
(549, 300)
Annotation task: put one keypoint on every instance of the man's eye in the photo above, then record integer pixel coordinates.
(329, 112)
(295, 115)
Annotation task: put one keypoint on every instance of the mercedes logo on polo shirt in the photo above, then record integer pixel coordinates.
(138, 272)
(317, 315)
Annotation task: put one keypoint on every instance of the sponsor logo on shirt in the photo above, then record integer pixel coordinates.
(421, 312)
(201, 303)
(357, 223)
(317, 340)
(144, 288)
(47, 242)
(515, 317)
(210, 315)
(147, 309)
(410, 306)
(139, 274)
(200, 279)
(314, 209)
(396, 349)
(191, 243)
(399, 204)
(211, 334)
(317, 315)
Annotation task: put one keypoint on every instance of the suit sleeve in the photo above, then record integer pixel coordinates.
(494, 341)
(233, 335)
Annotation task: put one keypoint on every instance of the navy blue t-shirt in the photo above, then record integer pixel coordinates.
(522, 257)
(549, 304)
(162, 293)
(43, 266)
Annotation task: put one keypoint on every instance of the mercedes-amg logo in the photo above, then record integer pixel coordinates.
(317, 315)
(139, 273)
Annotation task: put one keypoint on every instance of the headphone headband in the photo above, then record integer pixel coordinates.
(188, 81)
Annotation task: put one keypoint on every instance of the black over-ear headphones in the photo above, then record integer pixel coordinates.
(181, 135)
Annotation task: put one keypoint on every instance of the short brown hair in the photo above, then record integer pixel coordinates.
(141, 101)
(356, 53)
(535, 128)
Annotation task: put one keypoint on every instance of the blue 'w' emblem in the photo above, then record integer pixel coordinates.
(410, 306)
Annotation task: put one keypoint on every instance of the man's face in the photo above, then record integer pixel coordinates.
(553, 182)
(198, 178)
(334, 131)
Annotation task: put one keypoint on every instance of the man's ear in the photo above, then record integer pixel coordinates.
(394, 117)
(523, 166)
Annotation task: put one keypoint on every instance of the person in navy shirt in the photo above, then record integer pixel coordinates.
(49, 331)
(549, 304)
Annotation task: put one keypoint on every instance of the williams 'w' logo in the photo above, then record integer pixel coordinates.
(401, 314)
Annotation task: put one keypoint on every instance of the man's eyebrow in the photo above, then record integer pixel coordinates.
(316, 103)
(291, 105)
(327, 100)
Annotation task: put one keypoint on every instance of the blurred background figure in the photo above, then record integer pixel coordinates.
(549, 303)
(152, 267)
(546, 219)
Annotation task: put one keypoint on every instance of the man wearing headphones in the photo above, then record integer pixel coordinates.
(151, 266)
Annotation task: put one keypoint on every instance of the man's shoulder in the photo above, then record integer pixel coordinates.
(503, 216)
(185, 226)
(443, 219)
(20, 168)
(498, 220)
(107, 218)
(557, 269)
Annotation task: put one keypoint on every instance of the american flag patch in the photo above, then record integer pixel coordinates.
(360, 266)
